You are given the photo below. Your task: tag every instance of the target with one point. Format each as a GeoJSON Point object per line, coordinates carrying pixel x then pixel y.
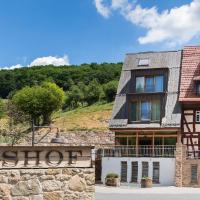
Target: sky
{"type": "Point", "coordinates": [63, 32]}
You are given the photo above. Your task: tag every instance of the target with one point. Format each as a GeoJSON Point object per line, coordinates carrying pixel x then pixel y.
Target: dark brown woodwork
{"type": "Point", "coordinates": [191, 132]}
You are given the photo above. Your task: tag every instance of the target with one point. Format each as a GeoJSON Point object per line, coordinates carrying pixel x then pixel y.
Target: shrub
{"type": "Point", "coordinates": [112, 175]}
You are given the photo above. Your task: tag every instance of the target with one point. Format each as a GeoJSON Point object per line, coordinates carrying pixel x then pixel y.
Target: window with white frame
{"type": "Point", "coordinates": [197, 116]}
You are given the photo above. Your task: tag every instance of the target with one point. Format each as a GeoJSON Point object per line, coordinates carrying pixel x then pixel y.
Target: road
{"type": "Point", "coordinates": [160, 193]}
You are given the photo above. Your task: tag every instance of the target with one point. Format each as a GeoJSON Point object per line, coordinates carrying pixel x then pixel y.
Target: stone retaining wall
{"type": "Point", "coordinates": [76, 138]}
{"type": "Point", "coordinates": [47, 184]}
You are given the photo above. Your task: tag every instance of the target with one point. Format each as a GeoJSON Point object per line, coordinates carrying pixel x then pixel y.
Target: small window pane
{"type": "Point", "coordinates": [149, 87]}
{"type": "Point", "coordinates": [123, 171]}
{"type": "Point", "coordinates": [159, 83]}
{"type": "Point", "coordinates": [170, 141]}
{"type": "Point", "coordinates": [139, 84]}
{"type": "Point", "coordinates": [145, 111]}
{"type": "Point", "coordinates": [134, 172]}
{"type": "Point", "coordinates": [145, 169]}
{"type": "Point", "coordinates": [197, 116]}
{"type": "Point", "coordinates": [143, 62]}
{"type": "Point", "coordinates": [155, 108]}
{"type": "Point", "coordinates": [194, 174]}
{"type": "Point", "coordinates": [135, 111]}
{"type": "Point", "coordinates": [156, 172]}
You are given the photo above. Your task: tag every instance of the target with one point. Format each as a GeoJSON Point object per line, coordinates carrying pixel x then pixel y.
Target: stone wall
{"type": "Point", "coordinates": [183, 168]}
{"type": "Point", "coordinates": [77, 138]}
{"type": "Point", "coordinates": [47, 184]}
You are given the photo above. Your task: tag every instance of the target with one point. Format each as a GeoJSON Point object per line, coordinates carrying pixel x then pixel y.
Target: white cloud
{"type": "Point", "coordinates": [12, 67]}
{"type": "Point", "coordinates": [42, 61]}
{"type": "Point", "coordinates": [176, 26]}
{"type": "Point", "coordinates": [101, 8]}
{"type": "Point", "coordinates": [50, 60]}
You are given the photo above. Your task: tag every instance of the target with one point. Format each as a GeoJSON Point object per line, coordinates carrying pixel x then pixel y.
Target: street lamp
{"type": "Point", "coordinates": [58, 139]}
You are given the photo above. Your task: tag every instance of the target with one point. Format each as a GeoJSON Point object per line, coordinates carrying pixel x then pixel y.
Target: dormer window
{"type": "Point", "coordinates": [143, 62]}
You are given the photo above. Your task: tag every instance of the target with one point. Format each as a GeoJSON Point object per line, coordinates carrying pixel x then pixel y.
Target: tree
{"type": "Point", "coordinates": [110, 90]}
{"type": "Point", "coordinates": [39, 101]}
{"type": "Point", "coordinates": [94, 92]}
{"type": "Point", "coordinates": [74, 98]}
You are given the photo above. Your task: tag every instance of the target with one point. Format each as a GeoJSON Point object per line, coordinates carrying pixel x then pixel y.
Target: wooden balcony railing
{"type": "Point", "coordinates": [141, 151]}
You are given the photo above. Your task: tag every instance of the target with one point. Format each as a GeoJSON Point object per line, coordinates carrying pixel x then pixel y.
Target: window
{"type": "Point", "coordinates": [145, 111]}
{"type": "Point", "coordinates": [149, 84]}
{"type": "Point", "coordinates": [134, 176]}
{"type": "Point", "coordinates": [197, 116]}
{"type": "Point", "coordinates": [194, 174]}
{"type": "Point", "coordinates": [145, 169]}
{"type": "Point", "coordinates": [143, 62]}
{"type": "Point", "coordinates": [123, 171]}
{"type": "Point", "coordinates": [198, 88]}
{"type": "Point", "coordinates": [156, 172]}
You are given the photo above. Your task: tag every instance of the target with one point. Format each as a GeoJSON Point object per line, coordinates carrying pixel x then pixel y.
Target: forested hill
{"type": "Point", "coordinates": [64, 76]}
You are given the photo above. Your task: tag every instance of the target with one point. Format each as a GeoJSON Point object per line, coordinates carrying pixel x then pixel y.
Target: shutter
{"type": "Point", "coordinates": [134, 172]}
{"type": "Point", "coordinates": [145, 169]}
{"type": "Point", "coordinates": [156, 172]}
{"type": "Point", "coordinates": [193, 173]}
{"type": "Point", "coordinates": [123, 171]}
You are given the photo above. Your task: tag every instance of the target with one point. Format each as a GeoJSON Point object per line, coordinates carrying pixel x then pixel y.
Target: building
{"type": "Point", "coordinates": [190, 98]}
{"type": "Point", "coordinates": [156, 119]}
{"type": "Point", "coordinates": [146, 119]}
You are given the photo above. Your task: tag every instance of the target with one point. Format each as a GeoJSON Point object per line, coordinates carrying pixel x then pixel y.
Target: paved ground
{"type": "Point", "coordinates": [156, 193]}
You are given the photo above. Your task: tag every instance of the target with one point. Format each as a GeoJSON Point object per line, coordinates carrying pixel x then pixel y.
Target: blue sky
{"type": "Point", "coordinates": [76, 31]}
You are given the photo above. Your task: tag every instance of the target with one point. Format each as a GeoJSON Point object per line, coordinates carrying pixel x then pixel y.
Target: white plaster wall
{"type": "Point", "coordinates": [167, 168]}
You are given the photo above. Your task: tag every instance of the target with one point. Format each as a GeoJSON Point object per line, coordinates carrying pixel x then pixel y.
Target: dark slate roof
{"type": "Point", "coordinates": [170, 60]}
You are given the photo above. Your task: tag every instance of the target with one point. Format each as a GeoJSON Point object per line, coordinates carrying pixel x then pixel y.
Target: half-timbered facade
{"type": "Point", "coordinates": [190, 97]}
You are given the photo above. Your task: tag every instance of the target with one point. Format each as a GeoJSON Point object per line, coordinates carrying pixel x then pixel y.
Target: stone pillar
{"type": "Point", "coordinates": [180, 156]}
{"type": "Point", "coordinates": [179, 165]}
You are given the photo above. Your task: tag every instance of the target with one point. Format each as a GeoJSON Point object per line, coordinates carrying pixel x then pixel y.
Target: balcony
{"type": "Point", "coordinates": [167, 151]}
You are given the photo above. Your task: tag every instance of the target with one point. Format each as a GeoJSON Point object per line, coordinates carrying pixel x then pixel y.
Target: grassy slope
{"type": "Point", "coordinates": [95, 117]}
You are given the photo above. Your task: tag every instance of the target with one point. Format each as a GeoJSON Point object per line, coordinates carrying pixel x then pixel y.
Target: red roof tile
{"type": "Point", "coordinates": [190, 69]}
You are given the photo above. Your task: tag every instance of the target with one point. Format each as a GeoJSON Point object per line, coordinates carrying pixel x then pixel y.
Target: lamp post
{"type": "Point", "coordinates": [58, 139]}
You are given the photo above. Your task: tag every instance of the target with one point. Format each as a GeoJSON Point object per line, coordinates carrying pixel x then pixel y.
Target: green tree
{"type": "Point", "coordinates": [39, 101]}
{"type": "Point", "coordinates": [110, 90]}
{"type": "Point", "coordinates": [74, 98]}
{"type": "Point", "coordinates": [94, 92]}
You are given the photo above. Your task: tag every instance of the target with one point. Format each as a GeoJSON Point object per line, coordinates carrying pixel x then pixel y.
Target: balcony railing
{"type": "Point", "coordinates": [140, 151]}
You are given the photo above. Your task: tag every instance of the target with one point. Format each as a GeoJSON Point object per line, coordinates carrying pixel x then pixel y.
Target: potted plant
{"type": "Point", "coordinates": [146, 182]}
{"type": "Point", "coordinates": [112, 179]}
